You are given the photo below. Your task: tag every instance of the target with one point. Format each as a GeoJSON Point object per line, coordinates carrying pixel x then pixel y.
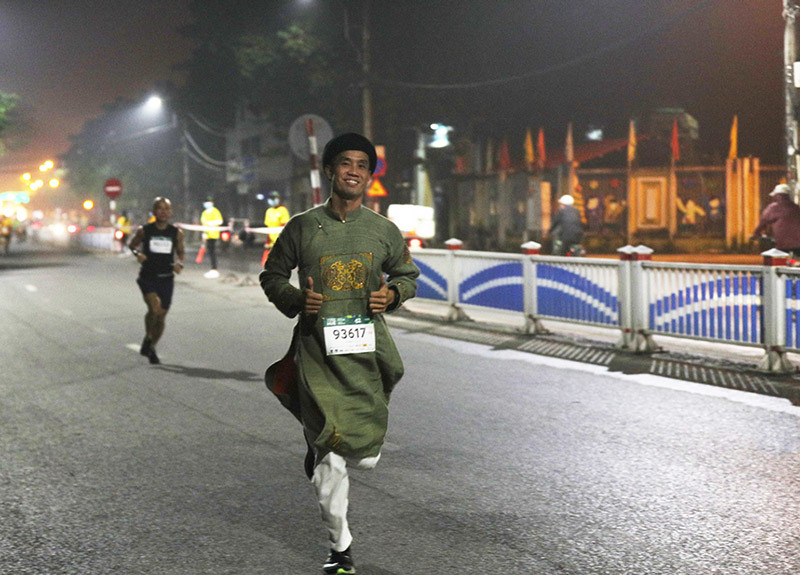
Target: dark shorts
{"type": "Point", "coordinates": [162, 287]}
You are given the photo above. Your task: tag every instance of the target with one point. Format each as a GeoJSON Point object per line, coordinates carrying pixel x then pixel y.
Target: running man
{"type": "Point", "coordinates": [161, 257]}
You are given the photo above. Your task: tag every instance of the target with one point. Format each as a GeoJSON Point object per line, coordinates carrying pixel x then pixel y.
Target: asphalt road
{"type": "Point", "coordinates": [497, 461]}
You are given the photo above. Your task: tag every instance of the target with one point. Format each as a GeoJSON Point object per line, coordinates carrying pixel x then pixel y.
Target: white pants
{"type": "Point", "coordinates": [332, 486]}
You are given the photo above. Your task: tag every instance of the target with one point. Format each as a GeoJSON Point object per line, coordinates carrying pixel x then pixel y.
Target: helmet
{"type": "Point", "coordinates": [566, 200]}
{"type": "Point", "coordinates": [780, 189]}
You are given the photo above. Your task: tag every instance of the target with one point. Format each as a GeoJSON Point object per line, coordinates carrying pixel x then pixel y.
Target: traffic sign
{"type": "Point", "coordinates": [113, 188]}
{"type": "Point", "coordinates": [376, 190]}
{"type": "Point", "coordinates": [380, 168]}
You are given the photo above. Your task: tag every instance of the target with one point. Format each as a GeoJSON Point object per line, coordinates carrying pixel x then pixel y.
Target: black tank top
{"type": "Point", "coordinates": [159, 247]}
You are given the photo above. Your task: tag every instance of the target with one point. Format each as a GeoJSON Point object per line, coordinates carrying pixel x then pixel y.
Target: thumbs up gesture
{"type": "Point", "coordinates": [312, 301]}
{"type": "Point", "coordinates": [381, 299]}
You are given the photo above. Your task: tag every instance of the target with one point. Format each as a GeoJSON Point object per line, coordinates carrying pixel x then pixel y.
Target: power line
{"type": "Point", "coordinates": [555, 67]}
{"type": "Point", "coordinates": [206, 126]}
{"type": "Point", "coordinates": [200, 152]}
{"type": "Point", "coordinates": [201, 162]}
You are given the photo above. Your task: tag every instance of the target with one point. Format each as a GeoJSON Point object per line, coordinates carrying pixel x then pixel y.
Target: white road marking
{"type": "Point", "coordinates": [31, 288]}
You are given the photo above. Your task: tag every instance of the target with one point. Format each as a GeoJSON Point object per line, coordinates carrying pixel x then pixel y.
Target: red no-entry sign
{"type": "Point", "coordinates": [112, 188]}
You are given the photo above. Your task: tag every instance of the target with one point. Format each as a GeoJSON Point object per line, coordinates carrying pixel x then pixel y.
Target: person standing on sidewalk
{"type": "Point", "coordinates": [342, 364]}
{"type": "Point", "coordinates": [161, 257]}
{"type": "Point", "coordinates": [782, 218]}
{"type": "Point", "coordinates": [211, 217]}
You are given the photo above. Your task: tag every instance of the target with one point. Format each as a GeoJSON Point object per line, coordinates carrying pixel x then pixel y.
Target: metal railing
{"type": "Point", "coordinates": [757, 306]}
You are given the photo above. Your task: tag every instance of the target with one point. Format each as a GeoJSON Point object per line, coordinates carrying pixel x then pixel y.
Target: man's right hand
{"type": "Point", "coordinates": [312, 301]}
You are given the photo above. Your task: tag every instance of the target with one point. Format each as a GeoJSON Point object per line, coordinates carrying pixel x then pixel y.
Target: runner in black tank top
{"type": "Point", "coordinates": [158, 247]}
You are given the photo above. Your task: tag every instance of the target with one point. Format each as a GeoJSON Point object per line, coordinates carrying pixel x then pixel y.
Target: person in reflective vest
{"type": "Point", "coordinates": [276, 216]}
{"type": "Point", "coordinates": [211, 216]}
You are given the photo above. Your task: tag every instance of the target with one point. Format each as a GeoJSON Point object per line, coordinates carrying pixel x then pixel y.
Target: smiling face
{"type": "Point", "coordinates": [349, 174]}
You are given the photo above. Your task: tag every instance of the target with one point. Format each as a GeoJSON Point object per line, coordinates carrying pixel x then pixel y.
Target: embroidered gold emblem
{"type": "Point", "coordinates": [345, 276]}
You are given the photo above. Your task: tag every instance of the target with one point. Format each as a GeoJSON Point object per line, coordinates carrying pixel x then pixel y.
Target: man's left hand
{"type": "Point", "coordinates": [380, 300]}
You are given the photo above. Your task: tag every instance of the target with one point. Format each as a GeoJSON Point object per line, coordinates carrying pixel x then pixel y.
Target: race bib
{"type": "Point", "coordinates": [160, 245]}
{"type": "Point", "coordinates": [348, 334]}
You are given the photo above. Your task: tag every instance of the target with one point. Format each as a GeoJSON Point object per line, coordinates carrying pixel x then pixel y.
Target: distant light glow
{"type": "Point", "coordinates": [153, 104]}
{"type": "Point", "coordinates": [595, 135]}
{"type": "Point", "coordinates": [441, 138]}
{"type": "Point", "coordinates": [88, 205]}
{"type": "Point", "coordinates": [54, 183]}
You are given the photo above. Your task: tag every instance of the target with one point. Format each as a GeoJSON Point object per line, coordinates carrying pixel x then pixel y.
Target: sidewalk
{"type": "Point", "coordinates": [720, 364]}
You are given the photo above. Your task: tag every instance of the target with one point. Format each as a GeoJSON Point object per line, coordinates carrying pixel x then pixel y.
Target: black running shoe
{"type": "Point", "coordinates": [339, 563]}
{"type": "Point", "coordinates": [146, 345]}
{"type": "Point", "coordinates": [151, 355]}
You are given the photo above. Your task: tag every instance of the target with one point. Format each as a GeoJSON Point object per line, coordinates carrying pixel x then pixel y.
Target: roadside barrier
{"type": "Point", "coordinates": [756, 306]}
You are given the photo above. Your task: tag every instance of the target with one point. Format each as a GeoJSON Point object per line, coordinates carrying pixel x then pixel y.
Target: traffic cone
{"type": "Point", "coordinates": [200, 253]}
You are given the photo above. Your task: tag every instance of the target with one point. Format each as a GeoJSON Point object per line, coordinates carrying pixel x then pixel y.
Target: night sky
{"type": "Point", "coordinates": [65, 59]}
{"type": "Point", "coordinates": [587, 62]}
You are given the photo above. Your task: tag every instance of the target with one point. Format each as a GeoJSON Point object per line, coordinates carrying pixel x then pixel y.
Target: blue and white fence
{"type": "Point", "coordinates": [756, 306]}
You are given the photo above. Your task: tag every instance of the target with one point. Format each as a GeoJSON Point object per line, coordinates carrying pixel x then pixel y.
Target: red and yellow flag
{"type": "Point", "coordinates": [541, 153]}
{"type": "Point", "coordinates": [631, 143]}
{"type": "Point", "coordinates": [675, 145]}
{"type": "Point", "coordinates": [530, 158]}
{"type": "Point", "coordinates": [734, 151]}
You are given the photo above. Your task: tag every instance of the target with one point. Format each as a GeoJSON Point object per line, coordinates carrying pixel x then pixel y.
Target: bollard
{"type": "Point", "coordinates": [531, 248]}
{"type": "Point", "coordinates": [533, 324]}
{"type": "Point", "coordinates": [775, 257]}
{"type": "Point", "coordinates": [454, 244]}
{"type": "Point", "coordinates": [642, 253]}
{"type": "Point", "coordinates": [633, 300]}
{"type": "Point", "coordinates": [772, 297]}
{"type": "Point", "coordinates": [455, 313]}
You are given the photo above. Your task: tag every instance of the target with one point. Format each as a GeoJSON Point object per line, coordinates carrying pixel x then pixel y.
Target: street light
{"type": "Point", "coordinates": [439, 140]}
{"type": "Point", "coordinates": [154, 103]}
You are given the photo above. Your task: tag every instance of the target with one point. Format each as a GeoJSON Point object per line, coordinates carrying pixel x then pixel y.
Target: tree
{"type": "Point", "coordinates": [270, 57]}
{"type": "Point", "coordinates": [8, 103]}
{"type": "Point", "coordinates": [145, 156]}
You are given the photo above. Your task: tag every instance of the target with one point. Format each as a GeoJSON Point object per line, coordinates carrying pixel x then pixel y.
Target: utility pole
{"type": "Point", "coordinates": [366, 90]}
{"type": "Point", "coordinates": [187, 208]}
{"type": "Point", "coordinates": [791, 84]}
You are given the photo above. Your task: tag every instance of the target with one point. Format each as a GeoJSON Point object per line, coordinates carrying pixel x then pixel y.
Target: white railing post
{"type": "Point", "coordinates": [624, 297]}
{"type": "Point", "coordinates": [773, 303]}
{"type": "Point", "coordinates": [530, 305]}
{"type": "Point", "coordinates": [453, 274]}
{"type": "Point", "coordinates": [641, 341]}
